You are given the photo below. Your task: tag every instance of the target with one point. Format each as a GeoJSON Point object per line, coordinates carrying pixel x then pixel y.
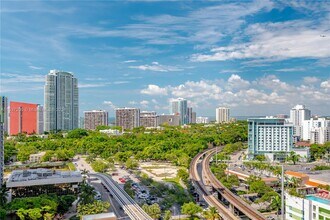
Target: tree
{"type": "Point", "coordinates": [34, 214]}
{"type": "Point", "coordinates": [3, 195]}
{"type": "Point", "coordinates": [131, 163]}
{"type": "Point", "coordinates": [77, 133]}
{"type": "Point", "coordinates": [293, 157]}
{"type": "Point", "coordinates": [211, 214]}
{"type": "Point", "coordinates": [87, 194]}
{"type": "Point", "coordinates": [276, 203]}
{"type": "Point", "coordinates": [64, 203]}
{"type": "Point", "coordinates": [99, 166]}
{"type": "Point", "coordinates": [260, 158]}
{"type": "Point", "coordinates": [183, 175]}
{"type": "Point", "coordinates": [21, 213]}
{"type": "Point", "coordinates": [152, 210]}
{"type": "Point", "coordinates": [191, 209]}
{"type": "Point", "coordinates": [167, 215]}
{"type": "Point", "coordinates": [102, 127]}
{"type": "Point", "coordinates": [92, 208]}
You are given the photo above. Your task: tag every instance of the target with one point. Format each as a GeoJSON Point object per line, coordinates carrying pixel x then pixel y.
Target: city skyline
{"type": "Point", "coordinates": [256, 57]}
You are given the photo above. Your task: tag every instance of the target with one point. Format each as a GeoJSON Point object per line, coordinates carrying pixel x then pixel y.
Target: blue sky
{"type": "Point", "coordinates": [256, 57]}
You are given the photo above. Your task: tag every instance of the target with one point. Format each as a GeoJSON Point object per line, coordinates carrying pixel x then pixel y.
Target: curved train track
{"type": "Point", "coordinates": [209, 177]}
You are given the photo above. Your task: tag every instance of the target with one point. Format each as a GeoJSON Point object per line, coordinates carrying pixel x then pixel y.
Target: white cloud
{"type": "Point", "coordinates": [93, 85]}
{"type": "Point", "coordinates": [236, 82]}
{"type": "Point", "coordinates": [94, 79]}
{"type": "Point", "coordinates": [18, 78]}
{"type": "Point", "coordinates": [200, 26]}
{"type": "Point", "coordinates": [279, 41]}
{"type": "Point", "coordinates": [266, 91]}
{"type": "Point", "coordinates": [144, 103]}
{"type": "Point", "coordinates": [155, 66]}
{"type": "Point", "coordinates": [109, 103]}
{"type": "Point", "coordinates": [154, 90]}
{"type": "Point", "coordinates": [291, 69]}
{"type": "Point", "coordinates": [35, 67]}
{"type": "Point", "coordinates": [325, 85]}
{"type": "Point", "coordinates": [230, 71]}
{"type": "Point", "coordinates": [132, 102]}
{"type": "Point", "coordinates": [311, 79]}
{"type": "Point", "coordinates": [130, 61]}
{"type": "Point", "coordinates": [120, 82]}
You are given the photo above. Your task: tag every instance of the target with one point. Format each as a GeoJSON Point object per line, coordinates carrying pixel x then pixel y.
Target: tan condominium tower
{"type": "Point", "coordinates": [128, 118]}
{"type": "Point", "coordinates": [222, 114]}
{"type": "Point", "coordinates": [148, 119]}
{"type": "Point", "coordinates": [95, 118]}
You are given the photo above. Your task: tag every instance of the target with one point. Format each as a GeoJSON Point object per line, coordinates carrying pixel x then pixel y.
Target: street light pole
{"type": "Point", "coordinates": [282, 193]}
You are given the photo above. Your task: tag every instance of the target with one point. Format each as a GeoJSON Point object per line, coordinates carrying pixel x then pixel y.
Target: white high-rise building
{"type": "Point", "coordinates": [270, 137]}
{"type": "Point", "coordinates": [222, 114]}
{"type": "Point", "coordinates": [298, 115]}
{"type": "Point", "coordinates": [94, 118]}
{"type": "Point", "coordinates": [128, 118]}
{"type": "Point", "coordinates": [61, 108]}
{"type": "Point", "coordinates": [202, 120]}
{"type": "Point", "coordinates": [180, 107]}
{"type": "Point", "coordinates": [320, 135]}
{"type": "Point", "coordinates": [315, 130]}
{"type": "Point", "coordinates": [2, 156]}
{"type": "Point", "coordinates": [310, 207]}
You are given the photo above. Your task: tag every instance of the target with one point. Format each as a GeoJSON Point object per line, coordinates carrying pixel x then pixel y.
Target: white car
{"type": "Point", "coordinates": [97, 196]}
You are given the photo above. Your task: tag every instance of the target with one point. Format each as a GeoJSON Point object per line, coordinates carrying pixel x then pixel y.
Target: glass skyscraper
{"type": "Point", "coordinates": [61, 110]}
{"type": "Point", "coordinates": [179, 107]}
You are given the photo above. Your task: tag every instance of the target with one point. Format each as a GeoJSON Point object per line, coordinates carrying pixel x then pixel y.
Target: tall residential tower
{"type": "Point", "coordinates": [95, 118]}
{"type": "Point", "coordinates": [222, 114]}
{"type": "Point", "coordinates": [128, 118]}
{"type": "Point", "coordinates": [61, 101]}
{"type": "Point", "coordinates": [298, 114]}
{"type": "Point", "coordinates": [179, 107]}
{"type": "Point", "coordinates": [4, 112]}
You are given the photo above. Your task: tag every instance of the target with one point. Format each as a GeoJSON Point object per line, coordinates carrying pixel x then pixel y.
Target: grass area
{"type": "Point", "coordinates": [71, 166]}
{"type": "Point", "coordinates": [175, 180]}
{"type": "Point", "coordinates": [321, 167]}
{"type": "Point", "coordinates": [152, 167]}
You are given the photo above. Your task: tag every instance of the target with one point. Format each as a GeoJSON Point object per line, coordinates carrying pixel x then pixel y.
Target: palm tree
{"type": "Point", "coordinates": [276, 204]}
{"type": "Point", "coordinates": [211, 214]}
{"type": "Point", "coordinates": [3, 195]}
{"type": "Point", "coordinates": [293, 157]}
{"type": "Point", "coordinates": [295, 182]}
{"type": "Point", "coordinates": [87, 193]}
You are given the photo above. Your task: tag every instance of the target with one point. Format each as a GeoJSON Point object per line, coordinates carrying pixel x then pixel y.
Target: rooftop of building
{"type": "Point", "coordinates": [32, 177]}
{"type": "Point", "coordinates": [127, 108]}
{"type": "Point", "coordinates": [325, 199]}
{"type": "Point", "coordinates": [302, 144]}
{"type": "Point", "coordinates": [320, 176]}
{"type": "Point", "coordinates": [39, 154]}
{"type": "Point", "coordinates": [96, 111]}
{"type": "Point", "coordinates": [103, 216]}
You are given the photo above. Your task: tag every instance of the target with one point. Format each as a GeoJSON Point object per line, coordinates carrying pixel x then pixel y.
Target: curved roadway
{"type": "Point", "coordinates": [131, 208]}
{"type": "Point", "coordinates": [210, 199]}
{"type": "Point", "coordinates": [236, 201]}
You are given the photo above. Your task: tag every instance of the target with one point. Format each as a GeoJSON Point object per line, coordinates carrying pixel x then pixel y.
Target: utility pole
{"type": "Point", "coordinates": [282, 193]}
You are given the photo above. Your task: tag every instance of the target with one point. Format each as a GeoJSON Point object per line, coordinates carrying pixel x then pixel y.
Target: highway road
{"type": "Point", "coordinates": [226, 193]}
{"type": "Point", "coordinates": [131, 208]}
{"type": "Point", "coordinates": [208, 197]}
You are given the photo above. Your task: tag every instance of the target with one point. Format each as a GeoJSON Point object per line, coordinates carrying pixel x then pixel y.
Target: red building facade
{"type": "Point", "coordinates": [25, 118]}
